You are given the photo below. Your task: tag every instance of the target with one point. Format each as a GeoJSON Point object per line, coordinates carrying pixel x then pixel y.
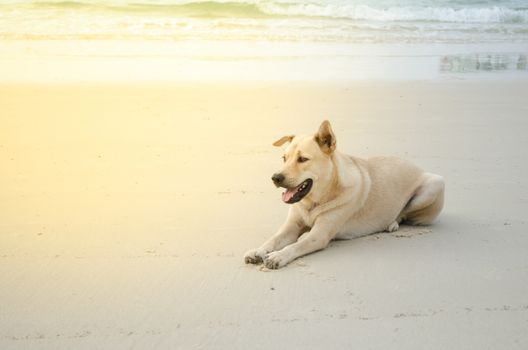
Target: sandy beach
{"type": "Point", "coordinates": [125, 211]}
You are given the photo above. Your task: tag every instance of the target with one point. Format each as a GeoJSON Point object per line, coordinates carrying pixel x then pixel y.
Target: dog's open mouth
{"type": "Point", "coordinates": [295, 194]}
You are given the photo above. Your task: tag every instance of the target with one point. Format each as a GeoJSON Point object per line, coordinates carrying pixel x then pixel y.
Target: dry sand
{"type": "Point", "coordinates": [125, 212]}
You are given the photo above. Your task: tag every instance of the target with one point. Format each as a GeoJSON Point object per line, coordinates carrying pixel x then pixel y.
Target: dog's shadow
{"type": "Point", "coordinates": [405, 231]}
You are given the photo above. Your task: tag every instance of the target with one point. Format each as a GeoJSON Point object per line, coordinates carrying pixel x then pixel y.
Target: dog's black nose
{"type": "Point", "coordinates": [277, 178]}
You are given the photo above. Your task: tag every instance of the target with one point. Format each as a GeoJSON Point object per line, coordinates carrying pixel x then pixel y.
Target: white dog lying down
{"type": "Point", "coordinates": [334, 195]}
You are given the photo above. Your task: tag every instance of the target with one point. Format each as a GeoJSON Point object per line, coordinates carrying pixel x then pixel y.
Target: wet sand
{"type": "Point", "coordinates": [125, 211]}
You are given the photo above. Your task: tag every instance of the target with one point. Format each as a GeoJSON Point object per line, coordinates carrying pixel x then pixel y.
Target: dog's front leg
{"type": "Point", "coordinates": [323, 231]}
{"type": "Point", "coordinates": [287, 234]}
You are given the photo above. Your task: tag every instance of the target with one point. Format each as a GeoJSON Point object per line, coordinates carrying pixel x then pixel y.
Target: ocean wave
{"type": "Point", "coordinates": [493, 14]}
{"type": "Point", "coordinates": [333, 21]}
{"type": "Point", "coordinates": [197, 9]}
{"type": "Point", "coordinates": [329, 10]}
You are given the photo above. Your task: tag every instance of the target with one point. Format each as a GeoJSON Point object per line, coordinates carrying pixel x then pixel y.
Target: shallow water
{"type": "Point", "coordinates": [357, 21]}
{"type": "Point", "coordinates": [260, 40]}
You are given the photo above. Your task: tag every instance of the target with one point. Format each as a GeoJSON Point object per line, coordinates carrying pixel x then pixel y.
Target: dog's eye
{"type": "Point", "coordinates": [302, 159]}
{"type": "Point", "coordinates": [284, 158]}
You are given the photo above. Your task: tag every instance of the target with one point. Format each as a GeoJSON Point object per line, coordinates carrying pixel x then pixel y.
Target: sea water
{"type": "Point", "coordinates": [221, 39]}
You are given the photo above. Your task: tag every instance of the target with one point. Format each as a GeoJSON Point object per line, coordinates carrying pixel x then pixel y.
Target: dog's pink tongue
{"type": "Point", "coordinates": [286, 196]}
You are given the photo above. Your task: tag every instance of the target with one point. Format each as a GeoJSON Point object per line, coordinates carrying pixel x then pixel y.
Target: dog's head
{"type": "Point", "coordinates": [308, 165]}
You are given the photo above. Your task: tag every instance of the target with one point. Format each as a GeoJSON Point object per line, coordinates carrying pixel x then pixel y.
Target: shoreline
{"type": "Point", "coordinates": [77, 61]}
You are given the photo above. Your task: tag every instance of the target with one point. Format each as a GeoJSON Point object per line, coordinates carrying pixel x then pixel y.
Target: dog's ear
{"type": "Point", "coordinates": [325, 137]}
{"type": "Point", "coordinates": [283, 140]}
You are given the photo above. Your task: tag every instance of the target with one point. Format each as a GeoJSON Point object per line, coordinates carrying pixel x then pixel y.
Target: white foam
{"type": "Point", "coordinates": [367, 21]}
{"type": "Point", "coordinates": [493, 14]}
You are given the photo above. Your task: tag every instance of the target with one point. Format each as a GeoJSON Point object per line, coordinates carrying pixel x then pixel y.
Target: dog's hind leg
{"type": "Point", "coordinates": [427, 201]}
{"type": "Point", "coordinates": [394, 226]}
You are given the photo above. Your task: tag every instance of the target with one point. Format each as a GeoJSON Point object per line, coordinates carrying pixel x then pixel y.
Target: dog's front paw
{"type": "Point", "coordinates": [276, 260]}
{"type": "Point", "coordinates": [254, 256]}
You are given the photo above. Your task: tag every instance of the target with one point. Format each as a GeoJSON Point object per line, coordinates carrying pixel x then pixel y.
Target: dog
{"type": "Point", "coordinates": [337, 196]}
